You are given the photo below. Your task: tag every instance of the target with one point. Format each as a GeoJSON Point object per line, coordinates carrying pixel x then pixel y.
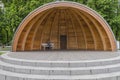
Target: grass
{"type": "Point", "coordinates": [5, 48]}
{"type": "Point", "coordinates": [2, 50]}
{"type": "Point", "coordinates": [2, 53]}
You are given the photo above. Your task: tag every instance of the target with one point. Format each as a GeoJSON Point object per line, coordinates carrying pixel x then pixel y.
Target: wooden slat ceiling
{"type": "Point", "coordinates": [83, 31]}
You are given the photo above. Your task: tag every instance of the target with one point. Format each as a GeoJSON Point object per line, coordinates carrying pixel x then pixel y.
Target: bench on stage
{"type": "Point", "coordinates": [47, 46]}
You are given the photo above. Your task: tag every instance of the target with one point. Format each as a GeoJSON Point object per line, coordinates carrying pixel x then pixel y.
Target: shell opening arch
{"type": "Point", "coordinates": [67, 25]}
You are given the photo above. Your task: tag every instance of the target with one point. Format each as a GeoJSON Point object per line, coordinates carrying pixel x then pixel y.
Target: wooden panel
{"type": "Point", "coordinates": [97, 33]}
{"type": "Point", "coordinates": [82, 31]}
{"type": "Point", "coordinates": [38, 32]}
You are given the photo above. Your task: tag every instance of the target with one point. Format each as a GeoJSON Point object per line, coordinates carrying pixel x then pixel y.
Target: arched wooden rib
{"type": "Point", "coordinates": [73, 26]}
{"type": "Point", "coordinates": [39, 29]}
{"type": "Point", "coordinates": [106, 39]}
{"type": "Point", "coordinates": [53, 25]}
{"type": "Point", "coordinates": [66, 18]}
{"type": "Point", "coordinates": [27, 42]}
{"type": "Point", "coordinates": [58, 29]}
{"type": "Point", "coordinates": [70, 27]}
{"type": "Point", "coordinates": [49, 28]}
{"type": "Point", "coordinates": [27, 29]}
{"type": "Point", "coordinates": [45, 27]}
{"type": "Point", "coordinates": [93, 42]}
{"type": "Point", "coordinates": [80, 28]}
{"type": "Point", "coordinates": [66, 25]}
{"type": "Point", "coordinates": [54, 30]}
{"type": "Point", "coordinates": [107, 32]}
{"type": "Point", "coordinates": [24, 36]}
{"type": "Point", "coordinates": [97, 27]}
{"type": "Point", "coordinates": [32, 30]}
{"type": "Point", "coordinates": [96, 38]}
{"type": "Point", "coordinates": [21, 38]}
{"type": "Point", "coordinates": [103, 34]}
{"type": "Point", "coordinates": [91, 32]}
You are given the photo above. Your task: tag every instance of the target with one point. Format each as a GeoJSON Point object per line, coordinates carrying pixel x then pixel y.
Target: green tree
{"type": "Point", "coordinates": [108, 9]}
{"type": "Point", "coordinates": [16, 10]}
{"type": "Point", "coordinates": [116, 23]}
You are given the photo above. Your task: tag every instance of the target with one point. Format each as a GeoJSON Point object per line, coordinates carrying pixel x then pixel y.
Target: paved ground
{"type": "Point", "coordinates": [64, 55]}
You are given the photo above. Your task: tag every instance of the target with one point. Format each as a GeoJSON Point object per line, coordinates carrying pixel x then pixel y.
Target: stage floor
{"type": "Point", "coordinates": [63, 55]}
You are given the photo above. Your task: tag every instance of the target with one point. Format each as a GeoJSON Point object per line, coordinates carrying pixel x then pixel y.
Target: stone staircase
{"type": "Point", "coordinates": [20, 69]}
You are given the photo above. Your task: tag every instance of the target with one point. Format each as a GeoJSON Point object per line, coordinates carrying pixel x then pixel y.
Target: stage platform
{"type": "Point", "coordinates": [60, 65]}
{"type": "Point", "coordinates": [64, 55]}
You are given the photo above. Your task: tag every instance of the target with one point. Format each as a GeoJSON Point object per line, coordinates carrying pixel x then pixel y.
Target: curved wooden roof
{"type": "Point", "coordinates": [84, 28]}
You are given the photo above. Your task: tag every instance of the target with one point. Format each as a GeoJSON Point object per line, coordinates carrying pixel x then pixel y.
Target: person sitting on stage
{"type": "Point", "coordinates": [49, 45]}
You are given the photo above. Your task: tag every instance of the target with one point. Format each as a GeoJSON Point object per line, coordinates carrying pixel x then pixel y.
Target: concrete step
{"type": "Point", "coordinates": [20, 69]}
{"type": "Point", "coordinates": [39, 63]}
{"type": "Point", "coordinates": [6, 75]}
{"type": "Point", "coordinates": [59, 70]}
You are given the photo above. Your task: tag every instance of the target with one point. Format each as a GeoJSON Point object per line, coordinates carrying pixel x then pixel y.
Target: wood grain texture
{"type": "Point", "coordinates": [83, 28]}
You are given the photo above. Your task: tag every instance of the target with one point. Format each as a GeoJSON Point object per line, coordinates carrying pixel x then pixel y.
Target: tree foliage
{"type": "Point", "coordinates": [16, 10]}
{"type": "Point", "coordinates": [109, 9]}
